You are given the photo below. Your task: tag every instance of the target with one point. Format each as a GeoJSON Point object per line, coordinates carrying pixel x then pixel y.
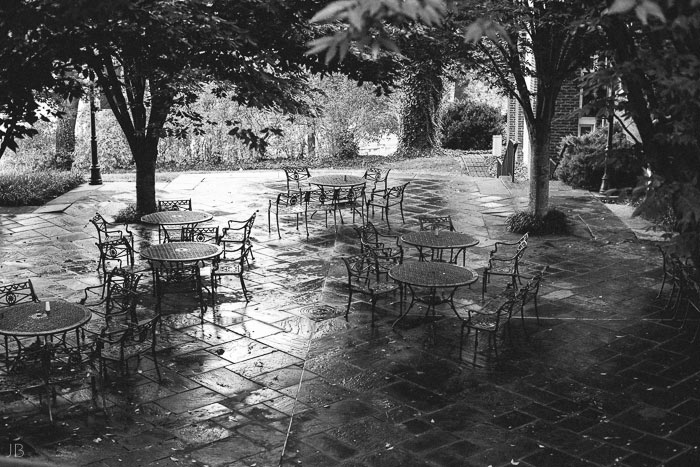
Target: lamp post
{"type": "Point", "coordinates": [608, 150]}
{"type": "Point", "coordinates": [95, 175]}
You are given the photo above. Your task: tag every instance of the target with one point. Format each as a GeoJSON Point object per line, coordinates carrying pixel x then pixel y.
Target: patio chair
{"type": "Point", "coordinates": [200, 234]}
{"type": "Point", "coordinates": [229, 263]}
{"type": "Point", "coordinates": [168, 234]}
{"type": "Point", "coordinates": [377, 178]}
{"type": "Point", "coordinates": [386, 199]}
{"type": "Point", "coordinates": [122, 344]}
{"type": "Point", "coordinates": [175, 205]}
{"type": "Point", "coordinates": [348, 198]}
{"type": "Point", "coordinates": [315, 201]}
{"type": "Point", "coordinates": [673, 267]}
{"type": "Point", "coordinates": [504, 260]}
{"type": "Point", "coordinates": [296, 178]}
{"type": "Point", "coordinates": [119, 295]}
{"type": "Point", "coordinates": [240, 231]}
{"type": "Point", "coordinates": [528, 293]}
{"type": "Point", "coordinates": [368, 234]}
{"type": "Point", "coordinates": [114, 245]}
{"type": "Point", "coordinates": [19, 292]}
{"type": "Point", "coordinates": [690, 300]}
{"type": "Point", "coordinates": [177, 277]}
{"type": "Point", "coordinates": [360, 280]}
{"type": "Point", "coordinates": [436, 223]}
{"type": "Point", "coordinates": [287, 204]}
{"type": "Point", "coordinates": [490, 318]}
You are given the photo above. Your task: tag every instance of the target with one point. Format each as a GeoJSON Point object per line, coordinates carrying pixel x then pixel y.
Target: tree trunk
{"type": "Point", "coordinates": [65, 134]}
{"type": "Point", "coordinates": [145, 159]}
{"type": "Point", "coordinates": [422, 96]}
{"type": "Point", "coordinates": [539, 168]}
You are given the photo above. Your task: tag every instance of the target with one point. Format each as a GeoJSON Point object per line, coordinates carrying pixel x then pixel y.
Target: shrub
{"type": "Point", "coordinates": [35, 188]}
{"type": "Point", "coordinates": [128, 215]}
{"type": "Point", "coordinates": [552, 222]}
{"type": "Point", "coordinates": [583, 163]}
{"type": "Point", "coordinates": [470, 125]}
{"type": "Point", "coordinates": [345, 146]}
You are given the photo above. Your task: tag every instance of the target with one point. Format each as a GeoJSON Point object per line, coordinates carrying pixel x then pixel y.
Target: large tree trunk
{"type": "Point", "coordinates": [419, 117]}
{"type": "Point", "coordinates": [145, 157]}
{"type": "Point", "coordinates": [65, 134]}
{"type": "Point", "coordinates": [539, 168]}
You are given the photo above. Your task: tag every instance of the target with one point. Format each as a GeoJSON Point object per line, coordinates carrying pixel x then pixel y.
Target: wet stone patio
{"type": "Point", "coordinates": [605, 378]}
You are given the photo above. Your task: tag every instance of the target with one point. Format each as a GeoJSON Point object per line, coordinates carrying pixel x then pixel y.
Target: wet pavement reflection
{"type": "Point", "coordinates": [605, 378]}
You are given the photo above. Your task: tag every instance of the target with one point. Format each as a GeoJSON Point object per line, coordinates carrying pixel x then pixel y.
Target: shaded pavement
{"type": "Point", "coordinates": [604, 378]}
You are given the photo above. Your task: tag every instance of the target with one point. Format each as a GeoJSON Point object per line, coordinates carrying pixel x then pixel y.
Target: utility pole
{"type": "Point", "coordinates": [95, 175]}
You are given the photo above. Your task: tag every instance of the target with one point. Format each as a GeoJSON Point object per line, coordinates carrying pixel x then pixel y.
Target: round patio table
{"type": "Point", "coordinates": [438, 241]}
{"type": "Point", "coordinates": [432, 276]}
{"type": "Point", "coordinates": [337, 180]}
{"type": "Point", "coordinates": [30, 319]}
{"type": "Point", "coordinates": [175, 218]}
{"type": "Point", "coordinates": [181, 251]}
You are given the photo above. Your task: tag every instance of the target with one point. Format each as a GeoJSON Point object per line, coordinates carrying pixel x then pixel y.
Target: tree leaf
{"type": "Point", "coordinates": [620, 6]}
{"type": "Point", "coordinates": [332, 11]}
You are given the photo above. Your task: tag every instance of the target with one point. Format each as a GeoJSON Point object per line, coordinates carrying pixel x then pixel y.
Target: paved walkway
{"type": "Point", "coordinates": [602, 380]}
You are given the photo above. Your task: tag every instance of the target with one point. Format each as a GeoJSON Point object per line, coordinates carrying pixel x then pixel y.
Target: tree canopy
{"type": "Point", "coordinates": [152, 59]}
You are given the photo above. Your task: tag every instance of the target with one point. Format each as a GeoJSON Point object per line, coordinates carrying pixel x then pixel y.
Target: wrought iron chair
{"type": "Point", "coordinates": [287, 204]}
{"type": "Point", "coordinates": [119, 294]}
{"type": "Point", "coordinates": [177, 277]}
{"type": "Point", "coordinates": [240, 232]}
{"type": "Point", "coordinates": [296, 178]}
{"type": "Point", "coordinates": [436, 223]}
{"type": "Point", "coordinates": [528, 293]}
{"type": "Point", "coordinates": [229, 263]}
{"type": "Point", "coordinates": [168, 234]}
{"type": "Point", "coordinates": [490, 318]}
{"type": "Point", "coordinates": [377, 178]}
{"type": "Point", "coordinates": [20, 292]}
{"type": "Point", "coordinates": [361, 280]}
{"type": "Point", "coordinates": [691, 299]}
{"type": "Point", "coordinates": [349, 198]}
{"type": "Point", "coordinates": [114, 245]}
{"type": "Point", "coordinates": [201, 234]}
{"type": "Point", "coordinates": [386, 199]}
{"type": "Point", "coordinates": [315, 201]}
{"type": "Point", "coordinates": [504, 260]}
{"type": "Point", "coordinates": [673, 267]}
{"type": "Point", "coordinates": [175, 205]}
{"type": "Point", "coordinates": [125, 343]}
{"type": "Point", "coordinates": [368, 234]}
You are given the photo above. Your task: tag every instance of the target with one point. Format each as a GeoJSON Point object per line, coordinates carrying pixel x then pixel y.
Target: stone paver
{"type": "Point", "coordinates": [604, 379]}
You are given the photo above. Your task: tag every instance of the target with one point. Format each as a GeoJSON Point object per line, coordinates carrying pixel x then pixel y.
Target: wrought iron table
{"type": "Point", "coordinates": [181, 251]}
{"type": "Point", "coordinates": [432, 276]}
{"type": "Point", "coordinates": [184, 219]}
{"type": "Point", "coordinates": [31, 320]}
{"type": "Point", "coordinates": [438, 241]}
{"type": "Point", "coordinates": [336, 181]}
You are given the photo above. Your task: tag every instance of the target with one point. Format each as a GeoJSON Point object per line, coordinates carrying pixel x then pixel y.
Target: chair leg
{"type": "Point", "coordinates": [347, 310]}
{"type": "Point", "coordinates": [277, 219]}
{"type": "Point", "coordinates": [245, 291]}
{"type": "Point", "coordinates": [403, 220]}
{"type": "Point", "coordinates": [387, 217]}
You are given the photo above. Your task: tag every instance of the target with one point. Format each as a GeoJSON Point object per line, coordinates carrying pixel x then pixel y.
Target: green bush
{"type": "Point", "coordinates": [470, 125]}
{"type": "Point", "coordinates": [128, 215]}
{"type": "Point", "coordinates": [345, 145]}
{"type": "Point", "coordinates": [35, 188]}
{"type": "Point", "coordinates": [552, 222]}
{"type": "Point", "coordinates": [583, 163]}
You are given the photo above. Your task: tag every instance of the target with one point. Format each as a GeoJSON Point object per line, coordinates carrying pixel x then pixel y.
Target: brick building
{"type": "Point", "coordinates": [568, 120]}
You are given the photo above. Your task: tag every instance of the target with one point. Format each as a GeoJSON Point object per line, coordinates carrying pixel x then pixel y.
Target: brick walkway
{"type": "Point", "coordinates": [604, 379]}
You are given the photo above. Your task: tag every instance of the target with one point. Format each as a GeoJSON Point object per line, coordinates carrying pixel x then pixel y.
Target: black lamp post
{"type": "Point", "coordinates": [95, 175]}
{"type": "Point", "coordinates": [608, 150]}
